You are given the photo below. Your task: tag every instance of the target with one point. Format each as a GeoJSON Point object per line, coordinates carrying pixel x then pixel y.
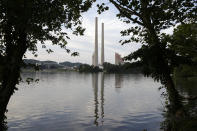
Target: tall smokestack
{"type": "Point", "coordinates": [93, 59]}
{"type": "Point", "coordinates": [96, 42]}
{"type": "Point", "coordinates": [102, 45]}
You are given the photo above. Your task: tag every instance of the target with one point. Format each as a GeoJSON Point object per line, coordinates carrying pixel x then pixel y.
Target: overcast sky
{"type": "Point", "coordinates": [85, 44]}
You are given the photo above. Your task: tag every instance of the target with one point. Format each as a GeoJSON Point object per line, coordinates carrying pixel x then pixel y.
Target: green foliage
{"type": "Point", "coordinates": [88, 68]}
{"type": "Point", "coordinates": [26, 23]}
{"type": "Point", "coordinates": [3, 123]}
{"type": "Point", "coordinates": [133, 68]}
{"type": "Point", "coordinates": [110, 68]}
{"type": "Point", "coordinates": [102, 8]}
{"type": "Point", "coordinates": [149, 18]}
{"type": "Point", "coordinates": [41, 21]}
{"type": "Point", "coordinates": [184, 40]}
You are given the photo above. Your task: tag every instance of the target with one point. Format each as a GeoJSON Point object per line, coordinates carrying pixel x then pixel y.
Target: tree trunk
{"type": "Point", "coordinates": [11, 70]}
{"type": "Point", "coordinates": [174, 97]}
{"type": "Point", "coordinates": [8, 86]}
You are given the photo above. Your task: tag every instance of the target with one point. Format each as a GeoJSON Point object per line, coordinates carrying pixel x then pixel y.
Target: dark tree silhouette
{"type": "Point", "coordinates": [149, 18]}
{"type": "Point", "coordinates": [184, 40]}
{"type": "Point", "coordinates": [24, 24]}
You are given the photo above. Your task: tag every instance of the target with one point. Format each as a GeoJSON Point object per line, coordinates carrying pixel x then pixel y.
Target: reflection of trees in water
{"type": "Point", "coordinates": [187, 86]}
{"type": "Point", "coordinates": [180, 114]}
{"type": "Point", "coordinates": [96, 103]}
{"type": "Point", "coordinates": [172, 107]}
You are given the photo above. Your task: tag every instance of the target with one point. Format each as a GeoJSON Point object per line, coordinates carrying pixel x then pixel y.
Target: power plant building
{"type": "Point", "coordinates": [118, 59]}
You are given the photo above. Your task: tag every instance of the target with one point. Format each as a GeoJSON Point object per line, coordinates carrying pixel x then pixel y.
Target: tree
{"type": "Point", "coordinates": [24, 24]}
{"type": "Point", "coordinates": [184, 40]}
{"type": "Point", "coordinates": [184, 43]}
{"type": "Point", "coordinates": [149, 18]}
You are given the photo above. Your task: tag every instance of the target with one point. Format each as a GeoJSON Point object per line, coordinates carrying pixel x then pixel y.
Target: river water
{"type": "Point", "coordinates": [71, 101]}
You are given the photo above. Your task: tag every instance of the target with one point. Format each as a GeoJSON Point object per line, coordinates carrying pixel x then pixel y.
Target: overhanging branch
{"type": "Point", "coordinates": [127, 13]}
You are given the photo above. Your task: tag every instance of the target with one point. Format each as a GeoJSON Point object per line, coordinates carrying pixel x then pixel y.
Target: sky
{"type": "Point", "coordinates": [85, 44]}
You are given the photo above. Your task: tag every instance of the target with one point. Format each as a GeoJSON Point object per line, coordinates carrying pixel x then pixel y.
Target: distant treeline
{"type": "Point", "coordinates": [111, 68]}
{"type": "Point", "coordinates": [36, 64]}
{"type": "Point", "coordinates": [134, 68]}
{"type": "Point", "coordinates": [122, 68]}
{"type": "Point", "coordinates": [88, 68]}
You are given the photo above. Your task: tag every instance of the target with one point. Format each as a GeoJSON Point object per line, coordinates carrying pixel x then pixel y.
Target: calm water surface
{"type": "Point", "coordinates": [86, 102]}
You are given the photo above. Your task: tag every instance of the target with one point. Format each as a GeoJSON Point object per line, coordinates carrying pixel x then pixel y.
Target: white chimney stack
{"type": "Point", "coordinates": [96, 43]}
{"type": "Point", "coordinates": [102, 45]}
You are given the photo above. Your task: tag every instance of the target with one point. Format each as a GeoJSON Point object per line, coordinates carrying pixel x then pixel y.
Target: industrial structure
{"type": "Point", "coordinates": [96, 43]}
{"type": "Point", "coordinates": [118, 59]}
{"type": "Point", "coordinates": [102, 45]}
{"type": "Point", "coordinates": [95, 53]}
